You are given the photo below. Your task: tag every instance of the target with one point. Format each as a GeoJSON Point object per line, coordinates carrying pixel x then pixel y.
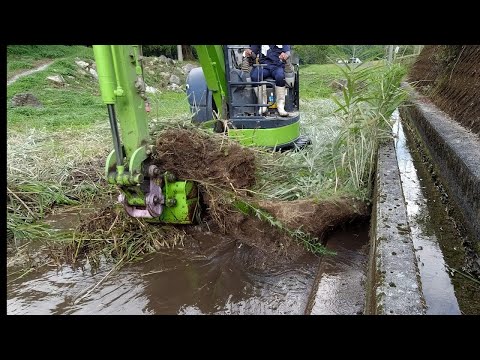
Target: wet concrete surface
{"type": "Point", "coordinates": [437, 287]}
{"type": "Point", "coordinates": [213, 279]}
{"type": "Point", "coordinates": [339, 287]}
{"type": "Point", "coordinates": [393, 279]}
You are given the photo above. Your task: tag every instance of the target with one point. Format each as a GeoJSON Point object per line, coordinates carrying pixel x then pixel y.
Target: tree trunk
{"type": "Point", "coordinates": [179, 53]}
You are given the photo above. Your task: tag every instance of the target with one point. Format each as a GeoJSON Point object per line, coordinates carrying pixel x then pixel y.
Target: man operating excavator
{"type": "Point", "coordinates": [271, 59]}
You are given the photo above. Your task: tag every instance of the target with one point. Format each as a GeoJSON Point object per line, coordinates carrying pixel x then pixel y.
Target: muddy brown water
{"type": "Point", "coordinates": [213, 277]}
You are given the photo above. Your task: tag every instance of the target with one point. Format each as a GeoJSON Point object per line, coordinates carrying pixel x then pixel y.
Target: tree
{"type": "Point", "coordinates": [179, 53]}
{"type": "Point", "coordinates": [311, 54]}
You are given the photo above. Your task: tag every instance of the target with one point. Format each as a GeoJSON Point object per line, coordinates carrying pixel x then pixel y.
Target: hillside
{"type": "Point", "coordinates": [450, 76]}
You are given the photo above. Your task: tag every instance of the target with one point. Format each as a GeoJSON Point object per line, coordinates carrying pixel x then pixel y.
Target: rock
{"type": "Point", "coordinates": [163, 59]}
{"type": "Point", "coordinates": [187, 68]}
{"type": "Point", "coordinates": [151, 90]}
{"type": "Point", "coordinates": [151, 72]}
{"type": "Point", "coordinates": [174, 79]}
{"type": "Point", "coordinates": [25, 99]}
{"type": "Point", "coordinates": [88, 67]}
{"type": "Point", "coordinates": [82, 64]}
{"type": "Point", "coordinates": [338, 84]}
{"type": "Point", "coordinates": [174, 87]}
{"type": "Point", "coordinates": [93, 73]}
{"type": "Point", "coordinates": [57, 79]}
{"type": "Point", "coordinates": [165, 74]}
{"type": "Point", "coordinates": [170, 61]}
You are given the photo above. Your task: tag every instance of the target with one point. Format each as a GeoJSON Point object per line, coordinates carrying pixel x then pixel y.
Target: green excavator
{"type": "Point", "coordinates": [219, 92]}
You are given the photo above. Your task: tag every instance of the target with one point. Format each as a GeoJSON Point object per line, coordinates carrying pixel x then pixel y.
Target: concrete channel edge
{"type": "Point", "coordinates": [455, 151]}
{"type": "Point", "coordinates": [393, 279]}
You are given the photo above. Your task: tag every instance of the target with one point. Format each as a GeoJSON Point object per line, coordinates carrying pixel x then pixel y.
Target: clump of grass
{"type": "Point", "coordinates": [46, 169]}
{"type": "Point", "coordinates": [222, 197]}
{"type": "Point", "coordinates": [110, 233]}
{"type": "Point", "coordinates": [21, 227]}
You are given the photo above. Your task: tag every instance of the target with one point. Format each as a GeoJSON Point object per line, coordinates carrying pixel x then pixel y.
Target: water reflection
{"type": "Point", "coordinates": [436, 284]}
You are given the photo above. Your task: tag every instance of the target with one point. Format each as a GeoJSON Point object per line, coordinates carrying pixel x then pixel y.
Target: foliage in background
{"type": "Point", "coordinates": [170, 51]}
{"type": "Point", "coordinates": [312, 54]}
{"type": "Point", "coordinates": [157, 50]}
{"type": "Point", "coordinates": [308, 54]}
{"type": "Point", "coordinates": [48, 51]}
{"type": "Point", "coordinates": [324, 54]}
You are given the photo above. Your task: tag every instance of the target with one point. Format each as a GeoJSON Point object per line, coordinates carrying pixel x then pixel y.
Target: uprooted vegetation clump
{"type": "Point", "coordinates": [199, 156]}
{"type": "Point", "coordinates": [225, 174]}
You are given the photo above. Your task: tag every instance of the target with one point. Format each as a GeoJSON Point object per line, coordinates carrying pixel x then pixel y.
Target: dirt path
{"type": "Point", "coordinates": [29, 72]}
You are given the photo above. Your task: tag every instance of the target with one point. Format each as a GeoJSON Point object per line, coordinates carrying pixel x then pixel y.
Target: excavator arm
{"type": "Point", "coordinates": [146, 190]}
{"type": "Point", "coordinates": [212, 61]}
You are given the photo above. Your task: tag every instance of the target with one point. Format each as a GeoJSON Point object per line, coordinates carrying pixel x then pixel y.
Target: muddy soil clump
{"type": "Point", "coordinates": [223, 168]}
{"type": "Point", "coordinates": [195, 155]}
{"type": "Point", "coordinates": [317, 218]}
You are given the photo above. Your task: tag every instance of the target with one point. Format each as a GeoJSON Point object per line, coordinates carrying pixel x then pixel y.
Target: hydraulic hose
{"type": "Point", "coordinates": [116, 137]}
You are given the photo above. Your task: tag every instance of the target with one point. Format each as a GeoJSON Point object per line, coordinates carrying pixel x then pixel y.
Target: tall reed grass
{"type": "Point", "coordinates": [345, 132]}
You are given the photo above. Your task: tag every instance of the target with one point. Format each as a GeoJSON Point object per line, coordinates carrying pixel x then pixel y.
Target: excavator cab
{"type": "Point", "coordinates": [245, 102]}
{"type": "Point", "coordinates": [240, 115]}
